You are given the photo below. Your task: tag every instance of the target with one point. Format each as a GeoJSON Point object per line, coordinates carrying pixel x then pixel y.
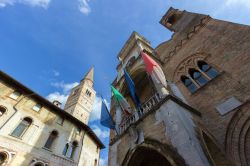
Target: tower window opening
{"type": "Point", "coordinates": [197, 76]}
{"type": "Point", "coordinates": [88, 93]}
{"type": "Point", "coordinates": [172, 19]}
{"type": "Point", "coordinates": [189, 84]}
{"type": "Point", "coordinates": [207, 69]}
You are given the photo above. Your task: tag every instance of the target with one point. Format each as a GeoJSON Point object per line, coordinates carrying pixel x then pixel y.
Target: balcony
{"type": "Point", "coordinates": [139, 114]}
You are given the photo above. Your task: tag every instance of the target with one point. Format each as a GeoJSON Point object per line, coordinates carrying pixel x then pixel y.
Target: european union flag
{"type": "Point", "coordinates": [131, 86]}
{"type": "Point", "coordinates": [106, 119]}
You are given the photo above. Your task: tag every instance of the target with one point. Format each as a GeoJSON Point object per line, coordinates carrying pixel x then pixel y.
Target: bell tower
{"type": "Point", "coordinates": [81, 98]}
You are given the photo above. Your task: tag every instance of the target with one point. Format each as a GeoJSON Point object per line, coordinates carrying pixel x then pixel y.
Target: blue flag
{"type": "Point", "coordinates": [131, 86]}
{"type": "Point", "coordinates": [106, 119]}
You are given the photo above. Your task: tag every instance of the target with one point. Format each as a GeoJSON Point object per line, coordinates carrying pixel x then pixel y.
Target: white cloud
{"type": "Point", "coordinates": [84, 6]}
{"type": "Point", "coordinates": [33, 3]}
{"type": "Point", "coordinates": [96, 111]}
{"type": "Point", "coordinates": [61, 97]}
{"type": "Point", "coordinates": [103, 161]}
{"type": "Point", "coordinates": [58, 96]}
{"type": "Point", "coordinates": [245, 3]}
{"type": "Point", "coordinates": [66, 87]}
{"type": "Point", "coordinates": [102, 134]}
{"type": "Point", "coordinates": [56, 73]}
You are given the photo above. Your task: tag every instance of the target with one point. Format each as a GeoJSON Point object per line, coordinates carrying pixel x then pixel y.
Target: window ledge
{"type": "Point", "coordinates": [20, 138]}
{"type": "Point", "coordinates": [209, 82]}
{"type": "Point", "coordinates": [47, 149]}
{"type": "Point", "coordinates": [59, 124]}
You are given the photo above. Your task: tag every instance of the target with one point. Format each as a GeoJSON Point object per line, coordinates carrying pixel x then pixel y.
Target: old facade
{"type": "Point", "coordinates": [205, 118]}
{"type": "Point", "coordinates": [36, 132]}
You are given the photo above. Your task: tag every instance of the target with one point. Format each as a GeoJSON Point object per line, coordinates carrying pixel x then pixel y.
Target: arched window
{"type": "Point", "coordinates": [3, 157]}
{"type": "Point", "coordinates": [22, 127]}
{"type": "Point", "coordinates": [74, 146]}
{"type": "Point", "coordinates": [2, 110]}
{"type": "Point", "coordinates": [197, 76]}
{"type": "Point", "coordinates": [69, 151]}
{"type": "Point", "coordinates": [66, 148]}
{"type": "Point", "coordinates": [210, 71]}
{"type": "Point", "coordinates": [53, 135]}
{"type": "Point", "coordinates": [189, 84]}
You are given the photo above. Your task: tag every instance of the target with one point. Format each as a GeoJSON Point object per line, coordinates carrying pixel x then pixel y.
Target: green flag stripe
{"type": "Point", "coordinates": [117, 94]}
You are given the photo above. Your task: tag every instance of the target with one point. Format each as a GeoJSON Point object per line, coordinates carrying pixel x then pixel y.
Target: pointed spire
{"type": "Point", "coordinates": [89, 76]}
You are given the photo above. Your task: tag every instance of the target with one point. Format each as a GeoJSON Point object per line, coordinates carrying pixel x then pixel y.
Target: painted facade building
{"type": "Point", "coordinates": [36, 132]}
{"type": "Point", "coordinates": [204, 120]}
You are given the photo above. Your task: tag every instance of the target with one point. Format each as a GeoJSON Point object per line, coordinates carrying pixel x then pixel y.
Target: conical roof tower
{"type": "Point", "coordinates": [81, 99]}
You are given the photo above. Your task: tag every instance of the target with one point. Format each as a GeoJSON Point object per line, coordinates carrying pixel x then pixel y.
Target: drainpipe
{"type": "Point", "coordinates": [15, 108]}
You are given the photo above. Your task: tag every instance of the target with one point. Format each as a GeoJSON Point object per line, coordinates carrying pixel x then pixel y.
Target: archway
{"type": "Point", "coordinates": [148, 157]}
{"type": "Point", "coordinates": [164, 152]}
{"type": "Point", "coordinates": [143, 85]}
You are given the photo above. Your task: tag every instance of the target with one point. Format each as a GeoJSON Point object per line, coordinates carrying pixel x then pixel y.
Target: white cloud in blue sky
{"type": "Point", "coordinates": [103, 161]}
{"type": "Point", "coordinates": [64, 89]}
{"type": "Point", "coordinates": [34, 3]}
{"type": "Point", "coordinates": [55, 73]}
{"type": "Point", "coordinates": [84, 6]}
{"type": "Point", "coordinates": [245, 3]}
{"type": "Point", "coordinates": [96, 111]}
{"type": "Point", "coordinates": [102, 134]}
{"type": "Point", "coordinates": [62, 98]}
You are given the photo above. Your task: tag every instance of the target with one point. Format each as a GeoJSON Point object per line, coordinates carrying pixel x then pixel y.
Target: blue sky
{"type": "Point", "coordinates": [49, 45]}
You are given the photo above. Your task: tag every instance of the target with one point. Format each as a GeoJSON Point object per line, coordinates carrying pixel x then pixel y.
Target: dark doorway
{"type": "Point", "coordinates": [148, 157]}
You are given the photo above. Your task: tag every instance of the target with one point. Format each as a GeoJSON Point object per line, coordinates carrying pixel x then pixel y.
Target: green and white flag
{"type": "Point", "coordinates": [121, 101]}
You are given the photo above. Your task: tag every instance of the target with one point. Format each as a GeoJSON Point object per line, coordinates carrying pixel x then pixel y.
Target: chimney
{"type": "Point", "coordinates": [57, 103]}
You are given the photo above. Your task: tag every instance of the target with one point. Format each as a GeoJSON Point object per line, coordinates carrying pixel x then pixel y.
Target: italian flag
{"type": "Point", "coordinates": [155, 71]}
{"type": "Point", "coordinates": [121, 101]}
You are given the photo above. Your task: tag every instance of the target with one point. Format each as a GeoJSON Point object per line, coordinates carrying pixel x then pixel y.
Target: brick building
{"type": "Point", "coordinates": [205, 118]}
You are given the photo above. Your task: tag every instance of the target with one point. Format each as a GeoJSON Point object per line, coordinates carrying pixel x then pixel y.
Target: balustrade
{"type": "Point", "coordinates": [138, 114]}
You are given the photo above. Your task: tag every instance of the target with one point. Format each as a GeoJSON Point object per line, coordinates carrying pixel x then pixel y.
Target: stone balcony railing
{"type": "Point", "coordinates": [63, 161]}
{"type": "Point", "coordinates": [146, 107]}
